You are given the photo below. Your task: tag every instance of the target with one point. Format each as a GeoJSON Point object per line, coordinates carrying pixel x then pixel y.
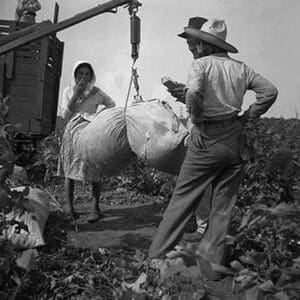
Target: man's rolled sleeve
{"type": "Point", "coordinates": [194, 93]}
{"type": "Point", "coordinates": [266, 94]}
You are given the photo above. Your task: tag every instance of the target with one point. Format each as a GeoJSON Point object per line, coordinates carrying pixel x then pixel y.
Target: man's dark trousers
{"type": "Point", "coordinates": [216, 161]}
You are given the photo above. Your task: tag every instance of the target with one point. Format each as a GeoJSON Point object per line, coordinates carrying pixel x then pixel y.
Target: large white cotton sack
{"type": "Point", "coordinates": [156, 135]}
{"type": "Point", "coordinates": [103, 143]}
{"type": "Point", "coordinates": [34, 217]}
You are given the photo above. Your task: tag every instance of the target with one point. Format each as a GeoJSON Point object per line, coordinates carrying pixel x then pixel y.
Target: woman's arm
{"type": "Point", "coordinates": [66, 113]}
{"type": "Point", "coordinates": [110, 102]}
{"type": "Point", "coordinates": [69, 102]}
{"type": "Point", "coordinates": [107, 101]}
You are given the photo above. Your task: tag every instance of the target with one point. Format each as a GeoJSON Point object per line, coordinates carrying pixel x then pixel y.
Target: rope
{"type": "Point", "coordinates": [129, 89]}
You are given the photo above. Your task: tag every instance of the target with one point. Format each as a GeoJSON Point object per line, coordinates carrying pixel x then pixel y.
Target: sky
{"type": "Point", "coordinates": [266, 32]}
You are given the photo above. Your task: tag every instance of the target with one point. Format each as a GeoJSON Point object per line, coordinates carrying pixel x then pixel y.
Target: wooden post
{"type": "Point", "coordinates": [10, 56]}
{"type": "Point", "coordinates": [2, 75]}
{"type": "Point", "coordinates": [56, 12]}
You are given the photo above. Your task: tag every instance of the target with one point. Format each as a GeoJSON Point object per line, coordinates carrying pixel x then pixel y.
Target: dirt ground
{"type": "Point", "coordinates": [127, 226]}
{"type": "Point", "coordinates": [122, 226]}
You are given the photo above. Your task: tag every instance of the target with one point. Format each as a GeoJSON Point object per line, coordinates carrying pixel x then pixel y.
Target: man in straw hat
{"type": "Point", "coordinates": [198, 223]}
{"type": "Point", "coordinates": [214, 96]}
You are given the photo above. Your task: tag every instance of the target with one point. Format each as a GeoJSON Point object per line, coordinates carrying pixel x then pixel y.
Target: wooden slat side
{"type": "Point", "coordinates": [24, 110]}
{"type": "Point", "coordinates": [50, 102]}
{"type": "Point", "coordinates": [4, 31]}
{"type": "Point", "coordinates": [27, 69]}
{"type": "Point", "coordinates": [6, 22]}
{"type": "Point", "coordinates": [23, 91]}
{"type": "Point", "coordinates": [2, 75]}
{"type": "Point", "coordinates": [27, 81]}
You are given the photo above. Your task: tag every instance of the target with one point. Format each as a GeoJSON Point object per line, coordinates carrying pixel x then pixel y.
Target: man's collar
{"type": "Point", "coordinates": [220, 54]}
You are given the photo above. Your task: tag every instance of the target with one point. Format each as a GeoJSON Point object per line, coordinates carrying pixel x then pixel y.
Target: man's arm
{"type": "Point", "coordinates": [194, 104]}
{"type": "Point", "coordinates": [266, 94]}
{"type": "Point", "coordinates": [194, 92]}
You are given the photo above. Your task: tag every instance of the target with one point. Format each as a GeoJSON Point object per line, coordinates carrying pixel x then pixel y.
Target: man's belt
{"type": "Point", "coordinates": [220, 120]}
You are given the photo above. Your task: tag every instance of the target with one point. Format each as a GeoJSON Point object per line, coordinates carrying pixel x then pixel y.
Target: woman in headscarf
{"type": "Point", "coordinates": [81, 101]}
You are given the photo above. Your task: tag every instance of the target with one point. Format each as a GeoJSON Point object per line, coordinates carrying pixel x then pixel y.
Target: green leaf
{"type": "Point", "coordinates": [247, 259]}
{"type": "Point", "coordinates": [194, 273]}
{"type": "Point", "coordinates": [297, 261]}
{"type": "Point", "coordinates": [69, 279]}
{"type": "Point", "coordinates": [268, 286]}
{"type": "Point", "coordinates": [236, 265]}
{"type": "Point", "coordinates": [136, 286]}
{"type": "Point", "coordinates": [246, 281]}
{"type": "Point", "coordinates": [258, 220]}
{"type": "Point", "coordinates": [281, 296]}
{"type": "Point", "coordinates": [251, 294]}
{"type": "Point", "coordinates": [246, 272]}
{"type": "Point", "coordinates": [26, 260]}
{"type": "Point", "coordinates": [245, 220]}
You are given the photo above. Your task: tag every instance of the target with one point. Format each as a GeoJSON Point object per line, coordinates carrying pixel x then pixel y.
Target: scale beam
{"type": "Point", "coordinates": [18, 39]}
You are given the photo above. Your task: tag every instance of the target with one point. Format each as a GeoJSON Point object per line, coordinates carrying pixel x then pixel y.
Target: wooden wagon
{"type": "Point", "coordinates": [31, 75]}
{"type": "Point", "coordinates": [30, 69]}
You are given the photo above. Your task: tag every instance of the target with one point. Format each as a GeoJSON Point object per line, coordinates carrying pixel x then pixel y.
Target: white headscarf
{"type": "Point", "coordinates": [69, 91]}
{"type": "Point", "coordinates": [90, 85]}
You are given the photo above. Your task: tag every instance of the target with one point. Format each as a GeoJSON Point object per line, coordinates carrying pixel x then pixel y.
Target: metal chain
{"type": "Point", "coordinates": [135, 81]}
{"type": "Point", "coordinates": [133, 9]}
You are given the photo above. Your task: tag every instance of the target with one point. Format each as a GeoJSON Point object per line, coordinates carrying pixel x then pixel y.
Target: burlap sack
{"type": "Point", "coordinates": [156, 134]}
{"type": "Point", "coordinates": [103, 143]}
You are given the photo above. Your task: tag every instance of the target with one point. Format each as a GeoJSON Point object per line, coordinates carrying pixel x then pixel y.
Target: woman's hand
{"type": "Point", "coordinates": [77, 92]}
{"type": "Point", "coordinates": [80, 87]}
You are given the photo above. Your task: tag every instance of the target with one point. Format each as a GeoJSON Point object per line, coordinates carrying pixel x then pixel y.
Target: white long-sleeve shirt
{"type": "Point", "coordinates": [218, 83]}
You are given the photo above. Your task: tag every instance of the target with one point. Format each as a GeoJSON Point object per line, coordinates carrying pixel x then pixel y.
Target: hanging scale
{"type": "Point", "coordinates": [135, 39]}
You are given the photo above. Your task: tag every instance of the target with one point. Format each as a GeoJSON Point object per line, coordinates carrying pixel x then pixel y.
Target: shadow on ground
{"type": "Point", "coordinates": [123, 218]}
{"type": "Point", "coordinates": [123, 226]}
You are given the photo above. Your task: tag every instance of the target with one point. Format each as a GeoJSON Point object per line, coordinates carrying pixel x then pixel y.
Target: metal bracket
{"type": "Point", "coordinates": [113, 11]}
{"type": "Point", "coordinates": [133, 7]}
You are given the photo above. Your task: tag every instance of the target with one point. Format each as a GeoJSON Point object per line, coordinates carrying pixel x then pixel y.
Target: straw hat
{"type": "Point", "coordinates": [195, 22]}
{"type": "Point", "coordinates": [213, 32]}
